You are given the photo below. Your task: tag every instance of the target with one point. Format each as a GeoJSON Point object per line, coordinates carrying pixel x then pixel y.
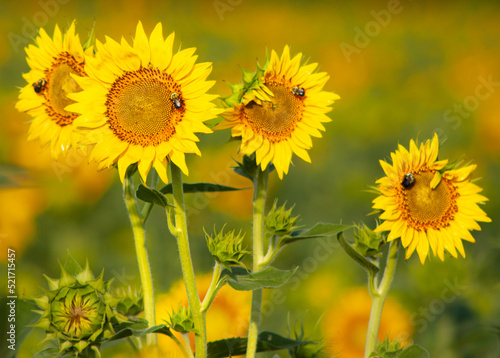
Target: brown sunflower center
{"type": "Point", "coordinates": [424, 206]}
{"type": "Point", "coordinates": [144, 106]}
{"type": "Point", "coordinates": [59, 85]}
{"type": "Point", "coordinates": [277, 119]}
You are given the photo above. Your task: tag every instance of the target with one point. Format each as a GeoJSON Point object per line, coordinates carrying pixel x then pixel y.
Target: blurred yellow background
{"type": "Point", "coordinates": [403, 69]}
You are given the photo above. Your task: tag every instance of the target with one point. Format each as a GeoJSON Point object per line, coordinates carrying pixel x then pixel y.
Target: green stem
{"type": "Point", "coordinates": [212, 290]}
{"type": "Point", "coordinates": [188, 353]}
{"type": "Point", "coordinates": [259, 202]}
{"type": "Point", "coordinates": [186, 262]}
{"type": "Point", "coordinates": [142, 254]}
{"type": "Point", "coordinates": [379, 294]}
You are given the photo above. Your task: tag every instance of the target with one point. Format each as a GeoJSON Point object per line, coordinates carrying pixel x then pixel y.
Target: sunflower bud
{"type": "Point", "coordinates": [367, 242]}
{"type": "Point", "coordinates": [182, 321]}
{"type": "Point", "coordinates": [387, 348]}
{"type": "Point", "coordinates": [279, 221]}
{"type": "Point", "coordinates": [226, 248]}
{"type": "Point", "coordinates": [76, 310]}
{"type": "Point", "coordinates": [130, 303]}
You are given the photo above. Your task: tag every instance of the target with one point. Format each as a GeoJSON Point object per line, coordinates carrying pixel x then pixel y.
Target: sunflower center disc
{"type": "Point", "coordinates": [144, 108]}
{"type": "Point", "coordinates": [427, 205]}
{"type": "Point", "coordinates": [140, 107]}
{"type": "Point", "coordinates": [277, 119]}
{"type": "Point", "coordinates": [60, 84]}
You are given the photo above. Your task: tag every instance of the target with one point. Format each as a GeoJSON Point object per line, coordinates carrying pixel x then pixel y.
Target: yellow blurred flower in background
{"type": "Point", "coordinates": [18, 210]}
{"type": "Point", "coordinates": [227, 316]}
{"type": "Point", "coordinates": [45, 97]}
{"type": "Point", "coordinates": [344, 326]}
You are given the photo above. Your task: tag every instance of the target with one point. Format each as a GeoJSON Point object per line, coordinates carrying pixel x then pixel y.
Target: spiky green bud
{"type": "Point", "coordinates": [367, 242]}
{"type": "Point", "coordinates": [227, 248]}
{"type": "Point", "coordinates": [280, 221]}
{"type": "Point", "coordinates": [77, 310]}
{"type": "Point", "coordinates": [130, 302]}
{"type": "Point", "coordinates": [182, 320]}
{"type": "Point", "coordinates": [387, 349]}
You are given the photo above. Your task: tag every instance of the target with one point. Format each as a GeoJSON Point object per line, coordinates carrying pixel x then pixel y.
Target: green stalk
{"type": "Point", "coordinates": [211, 292]}
{"type": "Point", "coordinates": [142, 255]}
{"type": "Point", "coordinates": [379, 294]}
{"type": "Point", "coordinates": [186, 262]}
{"type": "Point", "coordinates": [259, 202]}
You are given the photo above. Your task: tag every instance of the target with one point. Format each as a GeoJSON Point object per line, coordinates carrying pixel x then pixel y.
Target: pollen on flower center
{"type": "Point", "coordinates": [424, 206]}
{"type": "Point", "coordinates": [140, 108]}
{"type": "Point", "coordinates": [277, 119]}
{"type": "Point", "coordinates": [60, 84]}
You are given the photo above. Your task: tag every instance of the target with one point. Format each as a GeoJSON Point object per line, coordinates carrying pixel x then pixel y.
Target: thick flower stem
{"type": "Point", "coordinates": [187, 264]}
{"type": "Point", "coordinates": [142, 254]}
{"type": "Point", "coordinates": [259, 202]}
{"type": "Point", "coordinates": [379, 294]}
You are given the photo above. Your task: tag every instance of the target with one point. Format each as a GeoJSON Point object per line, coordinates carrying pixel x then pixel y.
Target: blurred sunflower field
{"type": "Point", "coordinates": [404, 70]}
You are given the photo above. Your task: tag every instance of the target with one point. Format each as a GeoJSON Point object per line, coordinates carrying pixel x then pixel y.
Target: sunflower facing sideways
{"type": "Point", "coordinates": [278, 109]}
{"type": "Point", "coordinates": [45, 97]}
{"type": "Point", "coordinates": [143, 103]}
{"type": "Point", "coordinates": [427, 203]}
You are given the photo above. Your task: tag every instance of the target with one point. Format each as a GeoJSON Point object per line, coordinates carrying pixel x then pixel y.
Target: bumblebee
{"type": "Point", "coordinates": [408, 180]}
{"type": "Point", "coordinates": [299, 91]}
{"type": "Point", "coordinates": [39, 85]}
{"type": "Point", "coordinates": [177, 101]}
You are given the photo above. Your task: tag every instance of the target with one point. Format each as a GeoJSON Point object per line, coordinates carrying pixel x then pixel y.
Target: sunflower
{"type": "Point", "coordinates": [279, 111]}
{"type": "Point", "coordinates": [45, 97]}
{"type": "Point", "coordinates": [427, 203]}
{"type": "Point", "coordinates": [143, 103]}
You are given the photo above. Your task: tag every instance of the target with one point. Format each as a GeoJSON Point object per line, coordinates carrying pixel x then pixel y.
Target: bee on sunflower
{"type": "Point", "coordinates": [52, 63]}
{"type": "Point", "coordinates": [430, 205]}
{"type": "Point", "coordinates": [143, 103]}
{"type": "Point", "coordinates": [277, 110]}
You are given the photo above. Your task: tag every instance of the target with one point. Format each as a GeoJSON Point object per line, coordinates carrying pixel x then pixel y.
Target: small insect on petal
{"type": "Point", "coordinates": [408, 180]}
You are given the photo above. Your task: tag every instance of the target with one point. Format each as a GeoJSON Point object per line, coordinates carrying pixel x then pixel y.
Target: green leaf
{"type": "Point", "coordinates": [356, 255]}
{"type": "Point", "coordinates": [414, 351]}
{"type": "Point", "coordinates": [316, 231]}
{"type": "Point", "coordinates": [190, 188]}
{"type": "Point", "coordinates": [152, 196]}
{"type": "Point", "coordinates": [46, 353]}
{"type": "Point", "coordinates": [243, 280]}
{"type": "Point", "coordinates": [90, 41]}
{"type": "Point", "coordinates": [267, 341]}
{"type": "Point", "coordinates": [138, 329]}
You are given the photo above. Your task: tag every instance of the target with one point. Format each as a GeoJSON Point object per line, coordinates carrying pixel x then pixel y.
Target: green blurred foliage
{"type": "Point", "coordinates": [421, 67]}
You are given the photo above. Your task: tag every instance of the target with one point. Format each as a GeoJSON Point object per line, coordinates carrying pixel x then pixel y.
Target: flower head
{"type": "Point", "coordinates": [427, 203]}
{"type": "Point", "coordinates": [78, 310]}
{"type": "Point", "coordinates": [278, 109]}
{"type": "Point", "coordinates": [143, 103]}
{"type": "Point", "coordinates": [45, 97]}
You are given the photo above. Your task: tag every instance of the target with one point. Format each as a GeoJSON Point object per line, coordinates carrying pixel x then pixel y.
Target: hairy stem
{"type": "Point", "coordinates": [186, 262]}
{"type": "Point", "coordinates": [142, 254]}
{"type": "Point", "coordinates": [379, 294]}
{"type": "Point", "coordinates": [259, 202]}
